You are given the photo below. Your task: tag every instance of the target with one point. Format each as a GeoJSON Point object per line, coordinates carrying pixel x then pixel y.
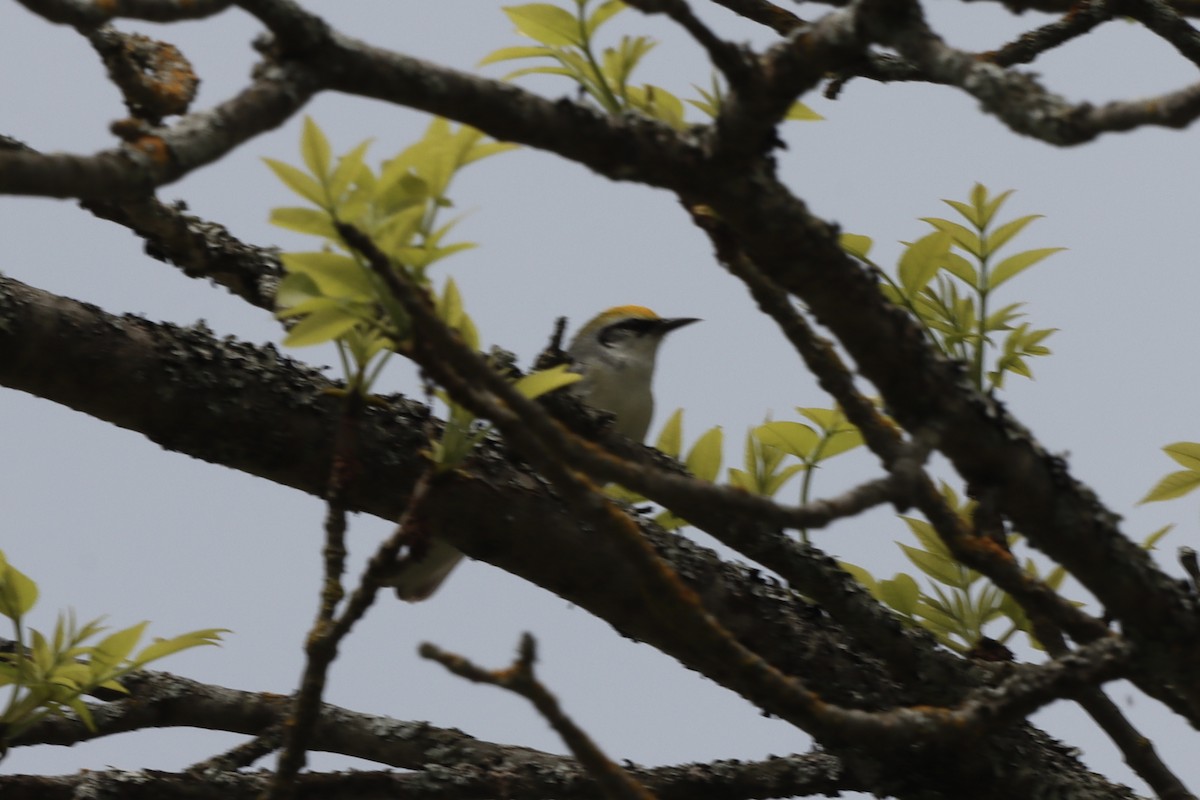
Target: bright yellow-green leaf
{"type": "Point", "coordinates": [315, 149]}
{"type": "Point", "coordinates": [856, 244]}
{"type": "Point", "coordinates": [979, 196]}
{"type": "Point", "coordinates": [83, 712]}
{"type": "Point", "coordinates": [802, 113]}
{"type": "Point", "coordinates": [116, 647]}
{"type": "Point", "coordinates": [520, 73]}
{"type": "Point", "coordinates": [936, 619]}
{"type": "Point", "coordinates": [1186, 454]}
{"type": "Point", "coordinates": [775, 481]}
{"type": "Point", "coordinates": [990, 207]}
{"type": "Point", "coordinates": [964, 237]}
{"type": "Point", "coordinates": [486, 149]}
{"type": "Point", "coordinates": [962, 269]}
{"type": "Point", "coordinates": [603, 13]}
{"type": "Point", "coordinates": [901, 593]}
{"type": "Point", "coordinates": [841, 442]}
{"type": "Point", "coordinates": [795, 438]}
{"type": "Point", "coordinates": [969, 212]}
{"type": "Point", "coordinates": [18, 592]}
{"type": "Point", "coordinates": [1177, 484]}
{"type": "Point", "coordinates": [348, 168]}
{"type": "Point", "coordinates": [654, 101]}
{"type": "Point", "coordinates": [468, 332]}
{"type": "Point", "coordinates": [704, 459]}
{"type": "Point", "coordinates": [73, 675]}
{"type": "Point", "coordinates": [545, 23]}
{"type": "Point", "coordinates": [304, 220]}
{"type": "Point", "coordinates": [862, 576]}
{"type": "Point", "coordinates": [827, 419]}
{"type": "Point", "coordinates": [298, 181]}
{"type": "Point", "coordinates": [999, 237]}
{"type": "Point", "coordinates": [539, 383]}
{"type": "Point", "coordinates": [450, 305]}
{"type": "Point", "coordinates": [1016, 264]}
{"type": "Point", "coordinates": [311, 305]}
{"type": "Point", "coordinates": [165, 647]}
{"type": "Point", "coordinates": [921, 261]}
{"type": "Point", "coordinates": [941, 568]}
{"type": "Point", "coordinates": [321, 326]}
{"type": "Point", "coordinates": [670, 438]}
{"type": "Point", "coordinates": [740, 479]}
{"type": "Point", "coordinates": [1150, 541]}
{"type": "Point", "coordinates": [334, 274]}
{"type": "Point", "coordinates": [512, 53]}
{"type": "Point", "coordinates": [927, 536]}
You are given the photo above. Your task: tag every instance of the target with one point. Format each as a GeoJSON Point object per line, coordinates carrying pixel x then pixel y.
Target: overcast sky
{"type": "Point", "coordinates": [108, 523]}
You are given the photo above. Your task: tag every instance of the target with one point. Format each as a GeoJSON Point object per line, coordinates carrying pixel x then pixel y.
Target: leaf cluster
{"type": "Point", "coordinates": [946, 280]}
{"type": "Point", "coordinates": [336, 296]}
{"type": "Point", "coordinates": [52, 674]}
{"type": "Point", "coordinates": [566, 37]}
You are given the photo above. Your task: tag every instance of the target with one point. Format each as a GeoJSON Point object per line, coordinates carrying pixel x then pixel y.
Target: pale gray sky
{"type": "Point", "coordinates": [108, 523]}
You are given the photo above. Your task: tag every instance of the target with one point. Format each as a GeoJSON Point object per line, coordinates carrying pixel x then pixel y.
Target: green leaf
{"type": "Point", "coordinates": [334, 275]}
{"type": "Point", "coordinates": [799, 111]}
{"type": "Point", "coordinates": [603, 13]}
{"type": "Point", "coordinates": [999, 237]}
{"type": "Point", "coordinates": [18, 592]}
{"type": "Point", "coordinates": [901, 593]}
{"type": "Point", "coordinates": [1150, 541]}
{"type": "Point", "coordinates": [545, 23]}
{"type": "Point", "coordinates": [921, 261]}
{"type": "Point", "coordinates": [969, 212]}
{"type": "Point", "coordinates": [321, 326]}
{"type": "Point", "coordinates": [990, 207]}
{"type": "Point", "coordinates": [314, 147]}
{"type": "Point", "coordinates": [775, 481]}
{"type": "Point", "coordinates": [305, 220]}
{"type": "Point", "coordinates": [862, 576]}
{"type": "Point", "coordinates": [486, 149]}
{"type": "Point", "coordinates": [840, 442]}
{"type": "Point", "coordinates": [704, 459]}
{"type": "Point", "coordinates": [790, 437]}
{"type": "Point", "coordinates": [1016, 264]}
{"type": "Point", "coordinates": [348, 169]}
{"type": "Point", "coordinates": [513, 53]}
{"type": "Point", "coordinates": [1186, 454]}
{"type": "Point", "coordinates": [964, 237]}
{"type": "Point", "coordinates": [116, 647]}
{"type": "Point", "coordinates": [670, 438]}
{"type": "Point", "coordinates": [165, 647]}
{"type": "Point", "coordinates": [856, 244]}
{"type": "Point", "coordinates": [962, 269]}
{"type": "Point", "coordinates": [1177, 484]}
{"type": "Point", "coordinates": [298, 181]}
{"type": "Point", "coordinates": [544, 381]}
{"type": "Point", "coordinates": [942, 569]}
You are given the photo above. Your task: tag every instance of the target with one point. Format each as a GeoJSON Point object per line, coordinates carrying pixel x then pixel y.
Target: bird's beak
{"type": "Point", "coordinates": [668, 325]}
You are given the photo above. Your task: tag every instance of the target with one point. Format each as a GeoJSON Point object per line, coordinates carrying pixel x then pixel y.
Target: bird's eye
{"type": "Point", "coordinates": [625, 329]}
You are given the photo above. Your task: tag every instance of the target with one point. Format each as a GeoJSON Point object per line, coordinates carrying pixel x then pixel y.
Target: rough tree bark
{"type": "Point", "coordinates": [894, 714]}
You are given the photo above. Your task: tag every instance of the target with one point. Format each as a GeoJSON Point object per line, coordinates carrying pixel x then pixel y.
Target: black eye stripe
{"type": "Point", "coordinates": [635, 327]}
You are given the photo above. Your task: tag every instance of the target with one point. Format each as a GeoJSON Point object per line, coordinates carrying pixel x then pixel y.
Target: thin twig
{"type": "Point", "coordinates": [614, 782]}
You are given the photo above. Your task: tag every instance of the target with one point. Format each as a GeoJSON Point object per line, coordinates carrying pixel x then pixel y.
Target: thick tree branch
{"type": "Point", "coordinates": [87, 14]}
{"type": "Point", "coordinates": [790, 776]}
{"type": "Point", "coordinates": [142, 376]}
{"type": "Point", "coordinates": [155, 156]}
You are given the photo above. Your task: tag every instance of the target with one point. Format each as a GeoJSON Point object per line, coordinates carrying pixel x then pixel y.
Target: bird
{"type": "Point", "coordinates": [615, 352]}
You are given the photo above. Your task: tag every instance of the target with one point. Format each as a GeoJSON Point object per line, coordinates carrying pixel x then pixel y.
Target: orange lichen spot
{"type": "Point", "coordinates": [991, 547]}
{"type": "Point", "coordinates": [106, 6]}
{"type": "Point", "coordinates": [155, 148]}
